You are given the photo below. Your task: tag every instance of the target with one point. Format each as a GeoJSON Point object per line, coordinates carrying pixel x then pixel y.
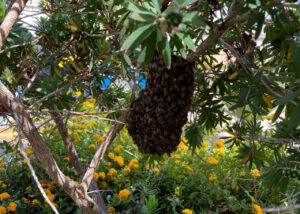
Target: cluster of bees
{"type": "Point", "coordinates": [157, 116]}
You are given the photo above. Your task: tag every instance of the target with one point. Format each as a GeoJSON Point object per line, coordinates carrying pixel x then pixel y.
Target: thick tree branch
{"type": "Point", "coordinates": [10, 19]}
{"type": "Point", "coordinates": [63, 131]}
{"type": "Point", "coordinates": [42, 151]}
{"type": "Point", "coordinates": [116, 128]}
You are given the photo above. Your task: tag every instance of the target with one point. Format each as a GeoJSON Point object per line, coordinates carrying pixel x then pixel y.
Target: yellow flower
{"type": "Point", "coordinates": [255, 173]}
{"type": "Point", "coordinates": [111, 172]}
{"type": "Point", "coordinates": [124, 194]}
{"type": "Point", "coordinates": [181, 146]}
{"type": "Point", "coordinates": [3, 185]}
{"type": "Point", "coordinates": [132, 164]}
{"type": "Point", "coordinates": [4, 196]}
{"type": "Point", "coordinates": [12, 206]}
{"type": "Point", "coordinates": [107, 163]}
{"type": "Point", "coordinates": [269, 117]}
{"type": "Point", "coordinates": [61, 64]}
{"type": "Point", "coordinates": [111, 155]}
{"type": "Point", "coordinates": [187, 211]}
{"type": "Point", "coordinates": [220, 153]}
{"type": "Point", "coordinates": [119, 160]}
{"type": "Point", "coordinates": [77, 183]}
{"type": "Point", "coordinates": [2, 210]}
{"type": "Point", "coordinates": [157, 171]}
{"type": "Point", "coordinates": [242, 174]}
{"type": "Point", "coordinates": [118, 148]}
{"type": "Point", "coordinates": [212, 161]}
{"type": "Point", "coordinates": [13, 123]}
{"type": "Point", "coordinates": [111, 210]}
{"type": "Point", "coordinates": [122, 140]}
{"type": "Point", "coordinates": [101, 175]}
{"type": "Point", "coordinates": [197, 150]}
{"type": "Point", "coordinates": [189, 168]}
{"type": "Point", "coordinates": [36, 202]}
{"type": "Point", "coordinates": [95, 176]}
{"type": "Point", "coordinates": [78, 93]}
{"type": "Point", "coordinates": [77, 139]}
{"type": "Point", "coordinates": [256, 209]}
{"type": "Point", "coordinates": [92, 146]}
{"type": "Point", "coordinates": [66, 159]}
{"type": "Point", "coordinates": [212, 178]}
{"type": "Point", "coordinates": [69, 132]}
{"type": "Point", "coordinates": [25, 200]}
{"type": "Point", "coordinates": [175, 156]}
{"type": "Point", "coordinates": [204, 144]}
{"type": "Point", "coordinates": [2, 169]}
{"type": "Point", "coordinates": [91, 124]}
{"type": "Point", "coordinates": [235, 149]}
{"type": "Point", "coordinates": [218, 144]}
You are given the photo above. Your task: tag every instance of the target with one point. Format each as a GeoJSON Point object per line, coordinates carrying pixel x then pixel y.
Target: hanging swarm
{"type": "Point", "coordinates": [157, 116]}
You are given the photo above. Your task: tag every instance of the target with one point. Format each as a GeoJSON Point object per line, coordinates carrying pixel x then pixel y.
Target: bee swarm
{"type": "Point", "coordinates": [157, 116]}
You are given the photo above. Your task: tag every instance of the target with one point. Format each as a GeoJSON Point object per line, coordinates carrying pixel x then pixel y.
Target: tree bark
{"type": "Point", "coordinates": [97, 196]}
{"type": "Point", "coordinates": [10, 19]}
{"type": "Point", "coordinates": [43, 153]}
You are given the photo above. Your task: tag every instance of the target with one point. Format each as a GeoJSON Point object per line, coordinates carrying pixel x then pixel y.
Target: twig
{"type": "Point", "coordinates": [47, 96]}
{"type": "Point", "coordinates": [279, 209]}
{"type": "Point", "coordinates": [20, 45]}
{"type": "Point", "coordinates": [28, 160]}
{"type": "Point", "coordinates": [30, 82]}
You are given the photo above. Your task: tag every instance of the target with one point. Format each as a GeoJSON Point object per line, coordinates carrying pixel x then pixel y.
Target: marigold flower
{"type": "Point", "coordinates": [95, 176]}
{"type": "Point", "coordinates": [181, 146]}
{"type": "Point", "coordinates": [77, 139]}
{"type": "Point", "coordinates": [13, 122]}
{"type": "Point", "coordinates": [122, 140]}
{"type": "Point", "coordinates": [12, 206]}
{"type": "Point", "coordinates": [118, 148]}
{"type": "Point", "coordinates": [219, 144]}
{"type": "Point", "coordinates": [212, 161]}
{"type": "Point", "coordinates": [111, 210]}
{"type": "Point", "coordinates": [187, 211]}
{"type": "Point", "coordinates": [36, 202]}
{"type": "Point", "coordinates": [2, 169]}
{"type": "Point", "coordinates": [242, 174]}
{"type": "Point", "coordinates": [111, 172]}
{"type": "Point", "coordinates": [25, 200]}
{"type": "Point", "coordinates": [103, 185]}
{"type": "Point", "coordinates": [92, 146]}
{"type": "Point", "coordinates": [119, 160]}
{"type": "Point", "coordinates": [2, 210]}
{"type": "Point", "coordinates": [78, 93]}
{"type": "Point", "coordinates": [256, 209]}
{"type": "Point", "coordinates": [255, 173]}
{"type": "Point", "coordinates": [101, 175]}
{"type": "Point", "coordinates": [66, 159]}
{"type": "Point", "coordinates": [4, 196]}
{"type": "Point", "coordinates": [175, 156]}
{"type": "Point", "coordinates": [204, 144]}
{"type": "Point", "coordinates": [132, 164]}
{"type": "Point", "coordinates": [111, 155]}
{"type": "Point", "coordinates": [3, 185]}
{"type": "Point", "coordinates": [220, 153]}
{"type": "Point", "coordinates": [235, 149]}
{"type": "Point", "coordinates": [124, 194]}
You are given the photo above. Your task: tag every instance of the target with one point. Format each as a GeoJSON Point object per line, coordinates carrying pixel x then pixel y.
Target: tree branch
{"type": "Point", "coordinates": [10, 19]}
{"type": "Point", "coordinates": [279, 209]}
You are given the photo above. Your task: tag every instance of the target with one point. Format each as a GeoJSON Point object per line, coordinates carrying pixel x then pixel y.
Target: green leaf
{"type": "Point", "coordinates": [296, 57]}
{"type": "Point", "coordinates": [183, 3]}
{"type": "Point", "coordinates": [285, 99]}
{"type": "Point", "coordinates": [157, 5]}
{"type": "Point", "coordinates": [260, 22]}
{"type": "Point", "coordinates": [277, 113]}
{"type": "Point", "coordinates": [212, 38]}
{"type": "Point", "coordinates": [164, 49]}
{"type": "Point", "coordinates": [127, 59]}
{"type": "Point", "coordinates": [143, 17]}
{"type": "Point", "coordinates": [295, 118]}
{"type": "Point", "coordinates": [147, 52]}
{"type": "Point", "coordinates": [138, 36]}
{"type": "Point", "coordinates": [136, 8]}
